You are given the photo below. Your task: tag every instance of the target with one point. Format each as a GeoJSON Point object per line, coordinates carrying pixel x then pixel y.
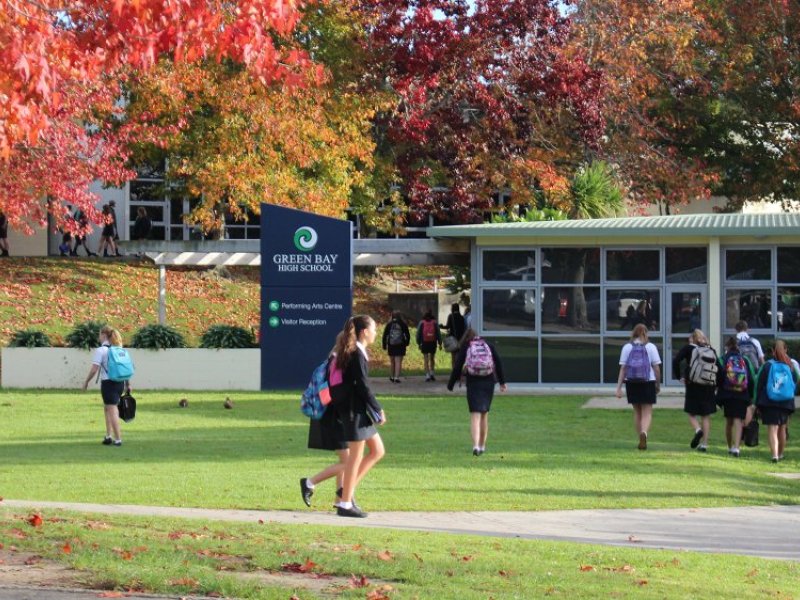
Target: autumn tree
{"type": "Point", "coordinates": [484, 98]}
{"type": "Point", "coordinates": [61, 67]}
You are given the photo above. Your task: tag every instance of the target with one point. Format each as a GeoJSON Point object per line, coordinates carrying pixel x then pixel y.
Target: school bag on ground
{"type": "Point", "coordinates": [396, 334]}
{"type": "Point", "coordinates": [479, 361]}
{"type": "Point", "coordinates": [748, 349]}
{"type": "Point", "coordinates": [736, 374]}
{"type": "Point", "coordinates": [637, 367]}
{"type": "Point", "coordinates": [429, 331]}
{"type": "Point", "coordinates": [780, 384]}
{"type": "Point", "coordinates": [703, 366]}
{"type": "Point", "coordinates": [317, 396]}
{"type": "Point", "coordinates": [119, 364]}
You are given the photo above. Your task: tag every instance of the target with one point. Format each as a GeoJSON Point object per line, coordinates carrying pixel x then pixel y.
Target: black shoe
{"type": "Point", "coordinates": [350, 512]}
{"type": "Point", "coordinates": [702, 449]}
{"type": "Point", "coordinates": [476, 452]}
{"type": "Point", "coordinates": [396, 380]}
{"type": "Point", "coordinates": [775, 459]}
{"type": "Point", "coordinates": [696, 439]}
{"type": "Point", "coordinates": [118, 443]}
{"type": "Point", "coordinates": [433, 378]}
{"type": "Point", "coordinates": [107, 441]}
{"type": "Point", "coordinates": [305, 491]}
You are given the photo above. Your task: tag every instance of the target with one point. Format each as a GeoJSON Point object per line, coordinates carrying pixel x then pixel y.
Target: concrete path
{"type": "Point", "coordinates": [768, 532]}
{"type": "Point", "coordinates": [18, 592]}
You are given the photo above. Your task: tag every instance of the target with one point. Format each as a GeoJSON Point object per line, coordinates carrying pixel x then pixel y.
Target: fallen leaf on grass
{"type": "Point", "coordinates": [357, 547]}
{"type": "Point", "coordinates": [35, 520]}
{"type": "Point", "coordinates": [66, 548]}
{"type": "Point", "coordinates": [377, 595]}
{"type": "Point", "coordinates": [32, 560]}
{"type": "Point", "coordinates": [752, 573]}
{"type": "Point", "coordinates": [18, 533]}
{"type": "Point", "coordinates": [299, 568]}
{"type": "Point", "coordinates": [503, 573]}
{"type": "Point", "coordinates": [585, 568]}
{"type": "Point", "coordinates": [386, 555]}
{"type": "Point", "coordinates": [418, 557]}
{"type": "Point", "coordinates": [110, 595]}
{"type": "Point", "coordinates": [187, 581]}
{"type": "Point", "coordinates": [261, 521]}
{"type": "Point", "coordinates": [641, 582]}
{"type": "Point", "coordinates": [97, 525]}
{"type": "Point", "coordinates": [359, 581]}
{"type": "Point", "coordinates": [466, 558]}
{"type": "Point", "coordinates": [622, 569]}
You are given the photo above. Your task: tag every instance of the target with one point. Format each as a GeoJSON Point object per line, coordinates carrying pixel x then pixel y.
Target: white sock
{"type": "Point", "coordinates": [482, 448]}
{"type": "Point", "coordinates": [309, 484]}
{"type": "Point", "coordinates": [345, 505]}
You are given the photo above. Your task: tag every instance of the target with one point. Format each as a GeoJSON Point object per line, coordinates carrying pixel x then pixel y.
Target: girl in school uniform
{"type": "Point", "coordinates": [358, 409]}
{"type": "Point", "coordinates": [641, 392]}
{"type": "Point", "coordinates": [480, 389]}
{"type": "Point", "coordinates": [700, 399]}
{"type": "Point", "coordinates": [735, 399]}
{"type": "Point", "coordinates": [775, 414]}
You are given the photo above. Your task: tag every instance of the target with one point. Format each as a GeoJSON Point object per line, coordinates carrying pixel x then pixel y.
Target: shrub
{"type": "Point", "coordinates": [156, 337]}
{"type": "Point", "coordinates": [227, 336]}
{"type": "Point", "coordinates": [85, 335]}
{"type": "Point", "coordinates": [29, 338]}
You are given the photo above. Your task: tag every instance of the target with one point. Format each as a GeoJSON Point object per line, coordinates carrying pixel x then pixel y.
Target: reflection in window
{"type": "Point", "coordinates": [751, 306]}
{"type": "Point", "coordinates": [520, 356]}
{"type": "Point", "coordinates": [789, 309]}
{"type": "Point", "coordinates": [509, 310]}
{"type": "Point", "coordinates": [789, 265]}
{"type": "Point", "coordinates": [509, 265]}
{"type": "Point", "coordinates": [571, 265]}
{"type": "Point", "coordinates": [748, 265]}
{"type": "Point", "coordinates": [571, 360]}
{"type": "Point", "coordinates": [626, 308]}
{"type": "Point", "coordinates": [687, 265]}
{"type": "Point", "coordinates": [570, 309]}
{"type": "Point", "coordinates": [632, 265]}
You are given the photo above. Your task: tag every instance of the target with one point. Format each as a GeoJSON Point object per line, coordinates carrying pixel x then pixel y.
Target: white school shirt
{"type": "Point", "coordinates": [652, 357]}
{"type": "Point", "coordinates": [363, 349]}
{"type": "Point", "coordinates": [100, 358]}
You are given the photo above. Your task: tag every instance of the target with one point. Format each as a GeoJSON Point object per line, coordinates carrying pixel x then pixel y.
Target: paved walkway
{"type": "Point", "coordinates": [768, 532]}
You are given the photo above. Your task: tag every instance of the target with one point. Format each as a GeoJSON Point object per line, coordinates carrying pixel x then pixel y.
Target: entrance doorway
{"type": "Point", "coordinates": [686, 311]}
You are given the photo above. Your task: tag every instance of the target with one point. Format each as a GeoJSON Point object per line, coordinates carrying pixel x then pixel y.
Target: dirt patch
{"type": "Point", "coordinates": [23, 568]}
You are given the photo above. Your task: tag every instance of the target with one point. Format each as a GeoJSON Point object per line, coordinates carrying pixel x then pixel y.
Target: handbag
{"type": "Point", "coordinates": [450, 343]}
{"type": "Point", "coordinates": [127, 406]}
{"type": "Point", "coordinates": [750, 433]}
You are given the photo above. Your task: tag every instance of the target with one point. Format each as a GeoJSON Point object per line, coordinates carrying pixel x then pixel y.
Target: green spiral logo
{"type": "Point", "coordinates": [305, 238]}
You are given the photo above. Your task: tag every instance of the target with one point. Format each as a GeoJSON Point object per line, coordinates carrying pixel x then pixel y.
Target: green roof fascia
{"type": "Point", "coordinates": [704, 225]}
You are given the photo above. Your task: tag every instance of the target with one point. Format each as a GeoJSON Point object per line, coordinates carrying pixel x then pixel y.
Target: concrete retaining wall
{"type": "Point", "coordinates": [179, 368]}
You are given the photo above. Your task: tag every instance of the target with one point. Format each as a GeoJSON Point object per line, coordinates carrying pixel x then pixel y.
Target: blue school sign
{"type": "Point", "coordinates": [306, 292]}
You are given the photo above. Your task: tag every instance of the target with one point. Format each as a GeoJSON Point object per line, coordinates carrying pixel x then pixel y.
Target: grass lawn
{"type": "Point", "coordinates": [252, 560]}
{"type": "Point", "coordinates": [543, 453]}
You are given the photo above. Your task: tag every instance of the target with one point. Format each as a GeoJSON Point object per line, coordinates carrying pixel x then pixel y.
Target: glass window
{"type": "Point", "coordinates": [626, 308]}
{"type": "Point", "coordinates": [789, 265]}
{"type": "Point", "coordinates": [571, 360]}
{"type": "Point", "coordinates": [687, 265]}
{"type": "Point", "coordinates": [571, 265]}
{"type": "Point", "coordinates": [570, 309]}
{"type": "Point", "coordinates": [748, 265]}
{"type": "Point", "coordinates": [612, 349]}
{"type": "Point", "coordinates": [509, 310]}
{"type": "Point", "coordinates": [520, 356]}
{"type": "Point", "coordinates": [751, 306]}
{"type": "Point", "coordinates": [632, 265]}
{"type": "Point", "coordinates": [789, 309]}
{"type": "Point", "coordinates": [509, 265]}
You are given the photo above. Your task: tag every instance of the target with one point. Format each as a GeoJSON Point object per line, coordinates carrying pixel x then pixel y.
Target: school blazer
{"type": "Point", "coordinates": [357, 394]}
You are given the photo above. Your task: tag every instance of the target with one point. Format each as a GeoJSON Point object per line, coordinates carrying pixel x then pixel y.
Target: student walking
{"type": "Point", "coordinates": [697, 366]}
{"type": "Point", "coordinates": [142, 225]}
{"type": "Point", "coordinates": [478, 359]}
{"type": "Point", "coordinates": [107, 242]}
{"type": "Point", "coordinates": [326, 433]}
{"type": "Point", "coordinates": [749, 347]}
{"type": "Point", "coordinates": [3, 234]}
{"type": "Point", "coordinates": [640, 370]}
{"type": "Point", "coordinates": [455, 328]}
{"type": "Point", "coordinates": [396, 338]}
{"type": "Point", "coordinates": [428, 339]}
{"type": "Point", "coordinates": [109, 390]}
{"type": "Point", "coordinates": [735, 384]}
{"type": "Point", "coordinates": [357, 409]}
{"type": "Point", "coordinates": [775, 387]}
{"type": "Point", "coordinates": [82, 220]}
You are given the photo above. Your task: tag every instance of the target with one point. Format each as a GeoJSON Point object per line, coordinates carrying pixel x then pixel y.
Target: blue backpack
{"type": "Point", "coordinates": [637, 367]}
{"type": "Point", "coordinates": [780, 383]}
{"type": "Point", "coordinates": [119, 365]}
{"type": "Point", "coordinates": [317, 396]}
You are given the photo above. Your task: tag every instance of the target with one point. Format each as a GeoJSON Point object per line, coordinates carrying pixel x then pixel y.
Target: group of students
{"type": "Point", "coordinates": [397, 339]}
{"type": "Point", "coordinates": [740, 381]}
{"type": "Point", "coordinates": [349, 424]}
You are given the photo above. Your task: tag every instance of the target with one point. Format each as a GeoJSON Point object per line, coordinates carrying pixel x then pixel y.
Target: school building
{"type": "Point", "coordinates": [560, 298]}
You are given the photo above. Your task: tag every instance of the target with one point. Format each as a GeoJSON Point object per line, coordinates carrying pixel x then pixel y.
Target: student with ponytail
{"type": "Point", "coordinates": [775, 410]}
{"type": "Point", "coordinates": [109, 390]}
{"type": "Point", "coordinates": [358, 409]}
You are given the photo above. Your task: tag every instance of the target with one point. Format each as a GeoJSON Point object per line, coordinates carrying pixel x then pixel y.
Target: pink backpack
{"type": "Point", "coordinates": [479, 361]}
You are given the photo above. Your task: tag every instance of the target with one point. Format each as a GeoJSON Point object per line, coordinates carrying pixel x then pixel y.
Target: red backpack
{"type": "Point", "coordinates": [429, 331]}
